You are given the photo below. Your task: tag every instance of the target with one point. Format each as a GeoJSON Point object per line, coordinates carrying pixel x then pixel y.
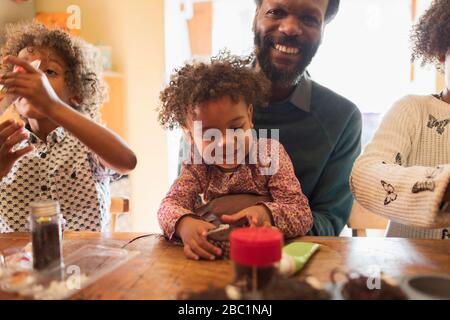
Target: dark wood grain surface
{"type": "Point", "coordinates": [160, 270]}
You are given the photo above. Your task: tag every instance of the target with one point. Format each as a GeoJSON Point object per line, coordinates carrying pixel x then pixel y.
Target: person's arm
{"type": "Point", "coordinates": [177, 218]}
{"type": "Point", "coordinates": [382, 184]}
{"type": "Point", "coordinates": [33, 85]}
{"type": "Point", "coordinates": [331, 200]}
{"type": "Point", "coordinates": [109, 147]}
{"type": "Point", "coordinates": [180, 201]}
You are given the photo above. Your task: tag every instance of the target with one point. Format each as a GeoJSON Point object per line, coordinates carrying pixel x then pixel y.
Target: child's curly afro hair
{"type": "Point", "coordinates": [431, 35]}
{"type": "Point", "coordinates": [199, 82]}
{"type": "Point", "coordinates": [83, 75]}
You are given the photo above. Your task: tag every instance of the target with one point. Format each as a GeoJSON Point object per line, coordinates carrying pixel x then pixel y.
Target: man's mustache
{"type": "Point", "coordinates": [283, 40]}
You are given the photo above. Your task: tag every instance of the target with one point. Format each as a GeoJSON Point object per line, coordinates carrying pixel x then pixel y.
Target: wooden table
{"type": "Point", "coordinates": [161, 271]}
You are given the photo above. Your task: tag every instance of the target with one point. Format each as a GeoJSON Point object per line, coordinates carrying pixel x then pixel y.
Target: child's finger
{"type": "Point", "coordinates": [8, 75]}
{"type": "Point", "coordinates": [197, 249]}
{"type": "Point", "coordinates": [189, 253]}
{"type": "Point", "coordinates": [21, 63]}
{"type": "Point", "coordinates": [19, 91]}
{"type": "Point", "coordinates": [209, 247]}
{"type": "Point", "coordinates": [15, 82]}
{"type": "Point", "coordinates": [254, 221]}
{"type": "Point", "coordinates": [21, 152]}
{"type": "Point", "coordinates": [6, 124]}
{"type": "Point", "coordinates": [233, 218]}
{"type": "Point", "coordinates": [14, 139]}
{"type": "Point", "coordinates": [267, 224]}
{"type": "Point", "coordinates": [8, 131]}
{"type": "Point", "coordinates": [203, 231]}
{"type": "Point", "coordinates": [14, 75]}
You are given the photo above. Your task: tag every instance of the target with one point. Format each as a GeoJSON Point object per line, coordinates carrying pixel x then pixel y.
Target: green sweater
{"type": "Point", "coordinates": [321, 132]}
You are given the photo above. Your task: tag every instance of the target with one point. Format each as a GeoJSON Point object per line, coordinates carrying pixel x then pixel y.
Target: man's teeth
{"type": "Point", "coordinates": [288, 50]}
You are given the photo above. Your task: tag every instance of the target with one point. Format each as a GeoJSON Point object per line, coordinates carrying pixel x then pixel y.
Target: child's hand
{"type": "Point", "coordinates": [32, 85]}
{"type": "Point", "coordinates": [257, 216]}
{"type": "Point", "coordinates": [11, 133]}
{"type": "Point", "coordinates": [193, 232]}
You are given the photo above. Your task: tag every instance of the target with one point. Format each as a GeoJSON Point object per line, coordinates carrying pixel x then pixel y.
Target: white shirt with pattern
{"type": "Point", "coordinates": [61, 169]}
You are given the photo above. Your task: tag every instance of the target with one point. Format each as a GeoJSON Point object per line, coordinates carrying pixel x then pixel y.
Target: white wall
{"type": "Point", "coordinates": [178, 51]}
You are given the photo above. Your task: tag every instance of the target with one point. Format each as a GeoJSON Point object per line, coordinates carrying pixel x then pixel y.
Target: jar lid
{"type": "Point", "coordinates": [45, 208]}
{"type": "Point", "coordinates": [256, 247]}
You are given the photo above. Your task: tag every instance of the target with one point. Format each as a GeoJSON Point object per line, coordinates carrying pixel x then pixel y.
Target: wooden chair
{"type": "Point", "coordinates": [362, 219]}
{"type": "Point", "coordinates": [119, 206]}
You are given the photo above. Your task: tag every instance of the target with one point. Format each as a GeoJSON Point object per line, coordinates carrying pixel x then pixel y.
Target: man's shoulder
{"type": "Point", "coordinates": [335, 112]}
{"type": "Point", "coordinates": [326, 100]}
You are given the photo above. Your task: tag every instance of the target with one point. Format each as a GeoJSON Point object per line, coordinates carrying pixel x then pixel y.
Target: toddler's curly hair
{"type": "Point", "coordinates": [83, 76]}
{"type": "Point", "coordinates": [199, 82]}
{"type": "Point", "coordinates": [431, 35]}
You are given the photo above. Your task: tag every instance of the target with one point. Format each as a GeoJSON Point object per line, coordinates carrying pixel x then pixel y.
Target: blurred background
{"type": "Point", "coordinates": [365, 56]}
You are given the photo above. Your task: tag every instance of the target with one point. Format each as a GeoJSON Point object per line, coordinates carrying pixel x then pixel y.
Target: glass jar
{"type": "Point", "coordinates": [46, 234]}
{"type": "Point", "coordinates": [255, 253]}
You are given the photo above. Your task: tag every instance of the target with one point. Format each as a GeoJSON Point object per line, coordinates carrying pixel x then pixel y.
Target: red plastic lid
{"type": "Point", "coordinates": [256, 247]}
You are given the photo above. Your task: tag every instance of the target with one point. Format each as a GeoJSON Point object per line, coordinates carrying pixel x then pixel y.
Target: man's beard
{"type": "Point", "coordinates": [287, 76]}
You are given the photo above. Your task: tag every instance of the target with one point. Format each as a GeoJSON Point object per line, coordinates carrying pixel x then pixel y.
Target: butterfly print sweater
{"type": "Point", "coordinates": [404, 172]}
{"type": "Point", "coordinates": [289, 206]}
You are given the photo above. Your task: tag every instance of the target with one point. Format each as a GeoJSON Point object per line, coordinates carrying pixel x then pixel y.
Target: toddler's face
{"type": "Point", "coordinates": [54, 68]}
{"type": "Point", "coordinates": [230, 123]}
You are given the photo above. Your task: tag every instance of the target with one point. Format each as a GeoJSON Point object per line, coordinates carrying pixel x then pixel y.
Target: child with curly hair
{"type": "Point", "coordinates": [61, 152]}
{"type": "Point", "coordinates": [404, 173]}
{"type": "Point", "coordinates": [213, 104]}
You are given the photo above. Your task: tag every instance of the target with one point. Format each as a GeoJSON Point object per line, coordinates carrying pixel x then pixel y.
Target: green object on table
{"type": "Point", "coordinates": [295, 256]}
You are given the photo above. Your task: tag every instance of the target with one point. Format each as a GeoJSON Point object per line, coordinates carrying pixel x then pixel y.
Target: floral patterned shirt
{"type": "Point", "coordinates": [289, 206]}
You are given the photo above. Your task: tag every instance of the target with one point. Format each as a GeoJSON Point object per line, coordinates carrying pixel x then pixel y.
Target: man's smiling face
{"type": "Point", "coordinates": [287, 36]}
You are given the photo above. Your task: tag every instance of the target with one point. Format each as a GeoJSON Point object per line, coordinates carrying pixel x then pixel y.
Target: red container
{"type": "Point", "coordinates": [255, 253]}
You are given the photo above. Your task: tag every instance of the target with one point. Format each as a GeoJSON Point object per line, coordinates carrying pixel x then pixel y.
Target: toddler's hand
{"type": "Point", "coordinates": [257, 216]}
{"type": "Point", "coordinates": [31, 84]}
{"type": "Point", "coordinates": [11, 133]}
{"type": "Point", "coordinates": [193, 232]}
